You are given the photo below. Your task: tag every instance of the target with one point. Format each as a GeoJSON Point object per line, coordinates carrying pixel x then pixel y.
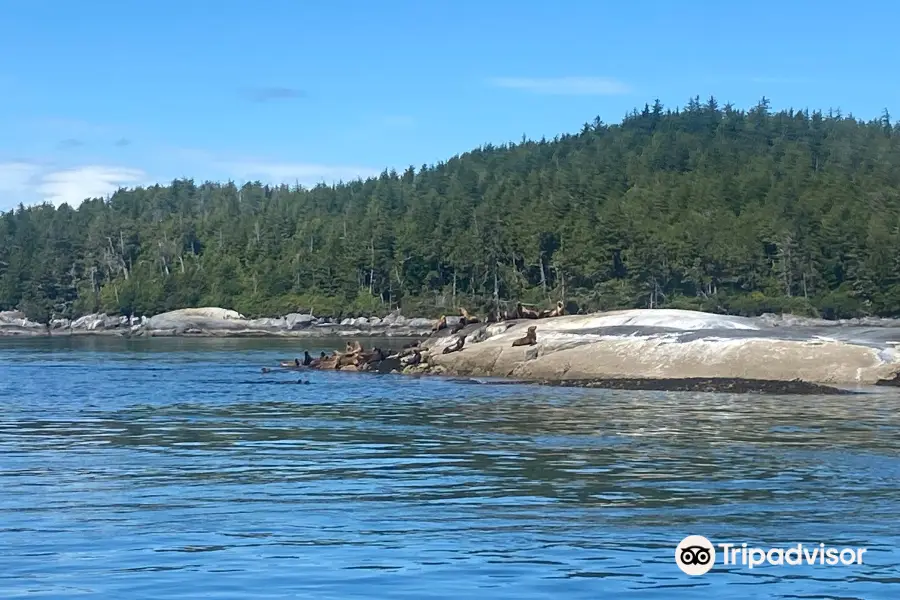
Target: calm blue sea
{"type": "Point", "coordinates": [176, 469]}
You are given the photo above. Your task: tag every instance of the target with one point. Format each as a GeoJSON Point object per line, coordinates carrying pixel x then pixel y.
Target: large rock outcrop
{"type": "Point", "coordinates": [671, 344]}
{"type": "Point", "coordinates": [13, 322]}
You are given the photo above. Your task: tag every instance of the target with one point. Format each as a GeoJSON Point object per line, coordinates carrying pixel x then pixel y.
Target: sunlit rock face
{"type": "Point", "coordinates": [675, 344]}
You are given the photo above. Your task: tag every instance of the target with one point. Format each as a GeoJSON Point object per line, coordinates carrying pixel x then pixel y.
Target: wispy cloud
{"type": "Point", "coordinates": [568, 86]}
{"type": "Point", "coordinates": [268, 94]}
{"type": "Point", "coordinates": [16, 180]}
{"type": "Point", "coordinates": [70, 143]}
{"type": "Point", "coordinates": [30, 182]}
{"type": "Point", "coordinates": [307, 174]}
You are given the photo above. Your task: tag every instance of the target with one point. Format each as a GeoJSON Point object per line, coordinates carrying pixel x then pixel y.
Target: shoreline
{"type": "Point", "coordinates": [638, 349]}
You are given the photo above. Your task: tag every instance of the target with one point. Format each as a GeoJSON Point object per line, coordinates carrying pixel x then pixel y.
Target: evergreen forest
{"type": "Point", "coordinates": [707, 207]}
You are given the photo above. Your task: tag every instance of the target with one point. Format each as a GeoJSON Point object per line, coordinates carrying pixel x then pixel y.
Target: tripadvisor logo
{"type": "Point", "coordinates": [696, 555]}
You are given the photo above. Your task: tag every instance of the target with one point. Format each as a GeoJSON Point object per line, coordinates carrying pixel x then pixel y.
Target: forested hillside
{"type": "Point", "coordinates": [706, 207]}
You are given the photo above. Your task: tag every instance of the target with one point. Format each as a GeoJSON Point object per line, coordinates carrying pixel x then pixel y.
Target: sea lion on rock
{"type": "Point", "coordinates": [525, 313]}
{"type": "Point", "coordinates": [467, 319]}
{"type": "Point", "coordinates": [307, 359]}
{"type": "Point", "coordinates": [555, 312]}
{"type": "Point", "coordinates": [411, 359]}
{"type": "Point", "coordinates": [329, 362]}
{"type": "Point", "coordinates": [441, 324]}
{"type": "Point", "coordinates": [455, 346]}
{"type": "Point", "coordinates": [375, 355]}
{"type": "Point", "coordinates": [314, 364]}
{"type": "Point", "coordinates": [346, 360]}
{"type": "Point", "coordinates": [530, 338]}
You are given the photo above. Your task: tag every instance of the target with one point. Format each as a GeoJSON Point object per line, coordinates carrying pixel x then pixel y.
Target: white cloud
{"type": "Point", "coordinates": [72, 186]}
{"type": "Point", "coordinates": [570, 86]}
{"type": "Point", "coordinates": [307, 174]}
{"type": "Point", "coordinates": [30, 183]}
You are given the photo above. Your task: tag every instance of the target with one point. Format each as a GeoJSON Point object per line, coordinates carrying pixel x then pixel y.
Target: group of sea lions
{"type": "Point", "coordinates": [356, 358]}
{"type": "Point", "coordinates": [520, 312]}
{"type": "Point", "coordinates": [353, 358]}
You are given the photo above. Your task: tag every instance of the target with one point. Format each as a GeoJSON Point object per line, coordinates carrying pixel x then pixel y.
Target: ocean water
{"type": "Point", "coordinates": [176, 469]}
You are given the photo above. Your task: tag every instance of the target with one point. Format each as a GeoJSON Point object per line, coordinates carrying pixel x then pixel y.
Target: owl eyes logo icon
{"type": "Point", "coordinates": [695, 555]}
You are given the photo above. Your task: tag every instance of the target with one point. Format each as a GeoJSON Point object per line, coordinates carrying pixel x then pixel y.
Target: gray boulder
{"type": "Point", "coordinates": [296, 321]}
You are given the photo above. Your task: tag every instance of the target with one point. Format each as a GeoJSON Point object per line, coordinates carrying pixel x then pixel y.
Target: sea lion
{"type": "Point", "coordinates": [411, 359]}
{"type": "Point", "coordinates": [346, 360]}
{"type": "Point", "coordinates": [441, 324]}
{"type": "Point", "coordinates": [456, 346]}
{"type": "Point", "coordinates": [467, 318]}
{"type": "Point", "coordinates": [307, 359]}
{"type": "Point", "coordinates": [315, 362]}
{"type": "Point", "coordinates": [329, 362]}
{"type": "Point", "coordinates": [375, 355]}
{"type": "Point", "coordinates": [530, 338]}
{"type": "Point", "coordinates": [458, 327]}
{"type": "Point", "coordinates": [289, 364]}
{"type": "Point", "coordinates": [266, 370]}
{"type": "Point", "coordinates": [525, 313]}
{"type": "Point", "coordinates": [554, 312]}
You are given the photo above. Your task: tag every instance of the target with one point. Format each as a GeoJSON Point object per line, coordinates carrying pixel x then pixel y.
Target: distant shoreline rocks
{"type": "Point", "coordinates": [216, 322]}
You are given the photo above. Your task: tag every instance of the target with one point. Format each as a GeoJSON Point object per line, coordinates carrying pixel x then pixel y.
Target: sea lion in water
{"type": "Point", "coordinates": [530, 338]}
{"type": "Point", "coordinates": [525, 313]}
{"type": "Point", "coordinates": [456, 346]}
{"type": "Point", "coordinates": [555, 312]}
{"type": "Point", "coordinates": [266, 370]}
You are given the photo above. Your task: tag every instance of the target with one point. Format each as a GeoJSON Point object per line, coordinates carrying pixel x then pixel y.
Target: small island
{"type": "Point", "coordinates": [679, 223]}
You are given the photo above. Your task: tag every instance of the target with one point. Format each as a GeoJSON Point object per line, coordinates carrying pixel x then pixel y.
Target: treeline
{"type": "Point", "coordinates": [706, 207]}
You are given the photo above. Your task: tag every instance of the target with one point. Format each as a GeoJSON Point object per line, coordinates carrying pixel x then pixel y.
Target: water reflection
{"type": "Point", "coordinates": [143, 472]}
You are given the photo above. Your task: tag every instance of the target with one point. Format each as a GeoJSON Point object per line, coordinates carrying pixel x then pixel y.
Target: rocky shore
{"type": "Point", "coordinates": [216, 322]}
{"type": "Point", "coordinates": [673, 344]}
{"type": "Point", "coordinates": [673, 349]}
{"type": "Point", "coordinates": [629, 349]}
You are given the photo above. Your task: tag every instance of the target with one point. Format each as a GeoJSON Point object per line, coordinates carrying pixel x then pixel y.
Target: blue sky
{"type": "Point", "coordinates": [101, 93]}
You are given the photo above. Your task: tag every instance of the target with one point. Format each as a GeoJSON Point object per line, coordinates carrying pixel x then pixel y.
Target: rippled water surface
{"type": "Point", "coordinates": [175, 469]}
